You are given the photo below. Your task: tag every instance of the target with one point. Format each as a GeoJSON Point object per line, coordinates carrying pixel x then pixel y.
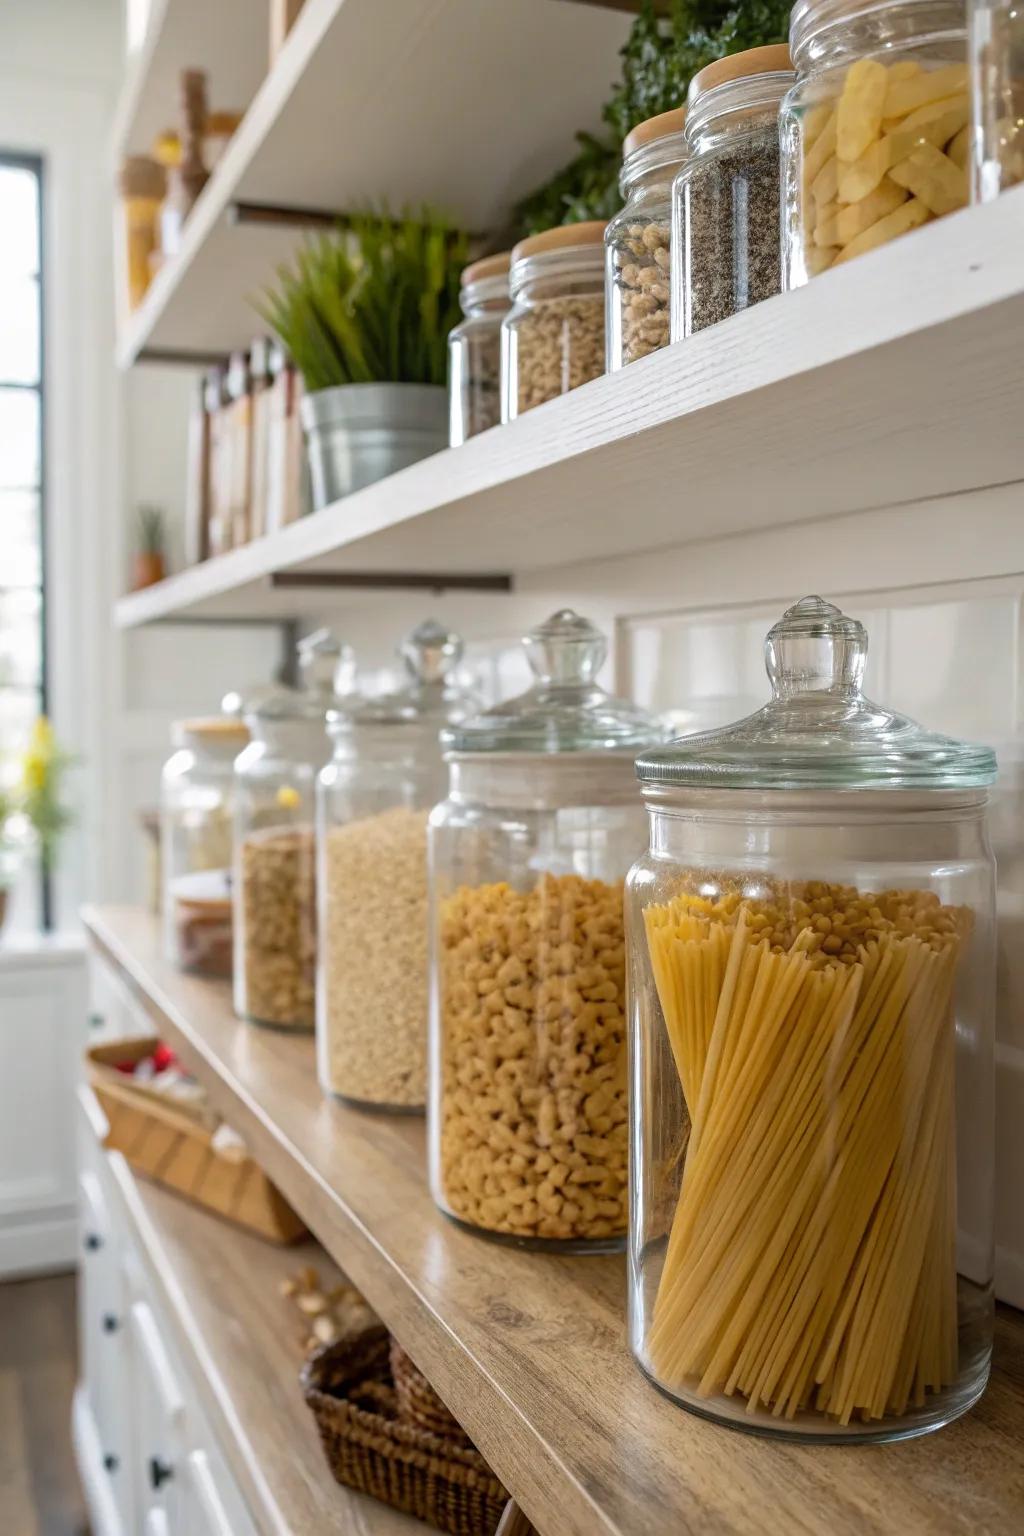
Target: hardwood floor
{"type": "Point", "coordinates": [39, 1491]}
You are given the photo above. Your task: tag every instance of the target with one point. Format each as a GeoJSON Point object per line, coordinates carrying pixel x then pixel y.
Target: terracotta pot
{"type": "Point", "coordinates": [147, 568]}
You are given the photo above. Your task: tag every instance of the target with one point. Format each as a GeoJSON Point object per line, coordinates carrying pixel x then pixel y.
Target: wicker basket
{"type": "Point", "coordinates": [443, 1481]}
{"type": "Point", "coordinates": [171, 1144]}
{"type": "Point", "coordinates": [418, 1403]}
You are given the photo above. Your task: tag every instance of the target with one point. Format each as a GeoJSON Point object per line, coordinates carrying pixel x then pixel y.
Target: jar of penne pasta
{"type": "Point", "coordinates": [876, 131]}
{"type": "Point", "coordinates": [811, 976]}
{"type": "Point", "coordinates": [527, 1116]}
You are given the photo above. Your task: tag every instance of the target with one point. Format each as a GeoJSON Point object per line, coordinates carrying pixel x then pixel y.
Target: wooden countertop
{"type": "Point", "coordinates": [528, 1349]}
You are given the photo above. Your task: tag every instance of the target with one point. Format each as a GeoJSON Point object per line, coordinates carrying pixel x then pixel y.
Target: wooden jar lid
{"type": "Point", "coordinates": [565, 237]}
{"type": "Point", "coordinates": [768, 60]}
{"type": "Point", "coordinates": [654, 128]}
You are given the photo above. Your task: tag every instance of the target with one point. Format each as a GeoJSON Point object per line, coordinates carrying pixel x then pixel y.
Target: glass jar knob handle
{"type": "Point", "coordinates": [431, 651]}
{"type": "Point", "coordinates": [815, 648]}
{"type": "Point", "coordinates": [566, 650]}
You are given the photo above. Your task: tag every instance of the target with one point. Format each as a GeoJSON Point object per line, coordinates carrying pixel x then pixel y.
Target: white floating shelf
{"type": "Point", "coordinates": [894, 379]}
{"type": "Point", "coordinates": [463, 105]}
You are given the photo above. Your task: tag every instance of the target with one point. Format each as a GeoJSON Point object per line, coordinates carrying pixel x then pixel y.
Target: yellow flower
{"type": "Point", "coordinates": [38, 757]}
{"type": "Point", "coordinates": [42, 743]}
{"type": "Point", "coordinates": [34, 772]}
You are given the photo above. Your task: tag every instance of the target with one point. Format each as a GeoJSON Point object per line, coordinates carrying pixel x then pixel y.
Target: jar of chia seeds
{"type": "Point", "coordinates": [638, 240]}
{"type": "Point", "coordinates": [474, 350]}
{"type": "Point", "coordinates": [876, 131]}
{"type": "Point", "coordinates": [725, 200]}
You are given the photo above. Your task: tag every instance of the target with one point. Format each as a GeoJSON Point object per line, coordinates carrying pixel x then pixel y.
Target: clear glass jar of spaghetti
{"type": "Point", "coordinates": [552, 338]}
{"type": "Point", "coordinates": [812, 975]}
{"type": "Point", "coordinates": [474, 350]}
{"type": "Point", "coordinates": [875, 133]}
{"type": "Point", "coordinates": [996, 29]}
{"type": "Point", "coordinates": [527, 1116]}
{"type": "Point", "coordinates": [373, 799]}
{"type": "Point", "coordinates": [638, 241]}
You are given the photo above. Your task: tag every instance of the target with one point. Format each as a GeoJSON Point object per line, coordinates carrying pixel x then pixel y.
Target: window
{"type": "Point", "coordinates": [22, 579]}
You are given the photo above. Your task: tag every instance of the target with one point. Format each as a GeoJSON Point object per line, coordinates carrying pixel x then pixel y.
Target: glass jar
{"type": "Point", "coordinates": [996, 34]}
{"type": "Point", "coordinates": [196, 797]}
{"type": "Point", "coordinates": [274, 843]}
{"type": "Point", "coordinates": [875, 133]}
{"type": "Point", "coordinates": [527, 1129]}
{"type": "Point", "coordinates": [552, 339]}
{"type": "Point", "coordinates": [638, 241]}
{"type": "Point", "coordinates": [373, 799]}
{"type": "Point", "coordinates": [474, 350]}
{"type": "Point", "coordinates": [811, 974]}
{"type": "Point", "coordinates": [725, 200]}
{"type": "Point", "coordinates": [143, 185]}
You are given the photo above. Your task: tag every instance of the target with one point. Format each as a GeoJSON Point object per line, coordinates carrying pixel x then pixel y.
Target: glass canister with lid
{"type": "Point", "coordinates": [474, 350]}
{"type": "Point", "coordinates": [196, 799]}
{"type": "Point", "coordinates": [274, 845]}
{"type": "Point", "coordinates": [811, 974]}
{"type": "Point", "coordinates": [373, 799]}
{"type": "Point", "coordinates": [552, 339]}
{"type": "Point", "coordinates": [638, 241]}
{"type": "Point", "coordinates": [996, 34]}
{"type": "Point", "coordinates": [875, 133]}
{"type": "Point", "coordinates": [725, 200]}
{"type": "Point", "coordinates": [527, 1131]}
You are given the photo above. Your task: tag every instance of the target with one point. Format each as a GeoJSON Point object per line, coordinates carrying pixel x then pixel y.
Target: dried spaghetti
{"type": "Point", "coordinates": [811, 1258]}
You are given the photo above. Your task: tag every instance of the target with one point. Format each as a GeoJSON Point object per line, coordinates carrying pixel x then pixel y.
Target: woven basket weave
{"type": "Point", "coordinates": [418, 1403]}
{"type": "Point", "coordinates": [443, 1481]}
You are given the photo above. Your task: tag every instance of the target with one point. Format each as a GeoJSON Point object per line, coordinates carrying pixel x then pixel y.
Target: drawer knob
{"type": "Point", "coordinates": [159, 1473]}
{"type": "Point", "coordinates": [92, 1241]}
{"type": "Point", "coordinates": [111, 1322]}
{"type": "Point", "coordinates": [110, 1462]}
{"type": "Point", "coordinates": [96, 1021]}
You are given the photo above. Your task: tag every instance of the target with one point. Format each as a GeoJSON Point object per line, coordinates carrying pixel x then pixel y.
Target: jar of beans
{"type": "Point", "coordinates": [812, 975]}
{"type": "Point", "coordinates": [274, 848]}
{"type": "Point", "coordinates": [474, 350]}
{"type": "Point", "coordinates": [725, 200]}
{"type": "Point", "coordinates": [552, 339]}
{"type": "Point", "coordinates": [876, 131]}
{"type": "Point", "coordinates": [373, 799]}
{"type": "Point", "coordinates": [638, 241]}
{"type": "Point", "coordinates": [527, 1112]}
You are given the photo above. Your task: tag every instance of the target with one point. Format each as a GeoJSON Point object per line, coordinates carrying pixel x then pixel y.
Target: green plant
{"type": "Point", "coordinates": [371, 302]}
{"type": "Point", "coordinates": [151, 530]}
{"type": "Point", "coordinates": [659, 58]}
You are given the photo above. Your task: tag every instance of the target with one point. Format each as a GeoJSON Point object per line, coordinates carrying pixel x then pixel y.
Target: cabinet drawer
{"type": "Point", "coordinates": [215, 1506]}
{"type": "Point", "coordinates": [159, 1419]}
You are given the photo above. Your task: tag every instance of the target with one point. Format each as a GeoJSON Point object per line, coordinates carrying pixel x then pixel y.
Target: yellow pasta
{"type": "Point", "coordinates": [810, 1264]}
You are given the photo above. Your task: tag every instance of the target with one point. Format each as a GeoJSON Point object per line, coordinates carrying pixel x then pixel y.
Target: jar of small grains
{"type": "Point", "coordinates": [725, 200]}
{"type": "Point", "coordinates": [812, 968]}
{"type": "Point", "coordinates": [552, 339]}
{"type": "Point", "coordinates": [373, 798]}
{"type": "Point", "coordinates": [527, 1117]}
{"type": "Point", "coordinates": [474, 350]}
{"type": "Point", "coordinates": [638, 241]}
{"type": "Point", "coordinates": [876, 131]}
{"type": "Point", "coordinates": [274, 883]}
{"type": "Point", "coordinates": [196, 822]}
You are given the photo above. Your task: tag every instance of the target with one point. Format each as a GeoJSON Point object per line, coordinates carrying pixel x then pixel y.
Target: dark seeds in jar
{"type": "Point", "coordinates": [732, 232]}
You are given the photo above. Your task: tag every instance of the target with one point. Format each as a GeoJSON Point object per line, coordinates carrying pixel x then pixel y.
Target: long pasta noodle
{"type": "Point", "coordinates": [810, 1263]}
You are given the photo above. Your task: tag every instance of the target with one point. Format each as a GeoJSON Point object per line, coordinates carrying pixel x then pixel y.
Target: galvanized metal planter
{"type": "Point", "coordinates": [358, 433]}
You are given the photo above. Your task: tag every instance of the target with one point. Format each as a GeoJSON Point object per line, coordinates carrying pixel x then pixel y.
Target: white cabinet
{"type": "Point", "coordinates": [149, 1461]}
{"type": "Point", "coordinates": [42, 1027]}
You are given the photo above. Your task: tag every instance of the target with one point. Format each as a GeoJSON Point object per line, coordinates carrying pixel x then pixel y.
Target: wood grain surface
{"type": "Point", "coordinates": [528, 1349]}
{"type": "Point", "coordinates": [242, 1339]}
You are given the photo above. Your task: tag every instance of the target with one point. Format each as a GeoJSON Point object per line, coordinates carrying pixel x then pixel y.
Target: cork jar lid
{"type": "Point", "coordinates": [142, 176]}
{"type": "Point", "coordinates": [772, 59]}
{"type": "Point", "coordinates": [486, 268]}
{"type": "Point", "coordinates": [659, 127]}
{"type": "Point", "coordinates": [566, 237]}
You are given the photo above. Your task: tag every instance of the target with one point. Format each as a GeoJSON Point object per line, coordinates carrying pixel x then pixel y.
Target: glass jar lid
{"type": "Point", "coordinates": [655, 144]}
{"type": "Point", "coordinates": [565, 251]}
{"type": "Point", "coordinates": [433, 692]}
{"type": "Point", "coordinates": [819, 731]}
{"type": "Point", "coordinates": [218, 735]}
{"type": "Point", "coordinates": [565, 710]}
{"type": "Point", "coordinates": [326, 670]}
